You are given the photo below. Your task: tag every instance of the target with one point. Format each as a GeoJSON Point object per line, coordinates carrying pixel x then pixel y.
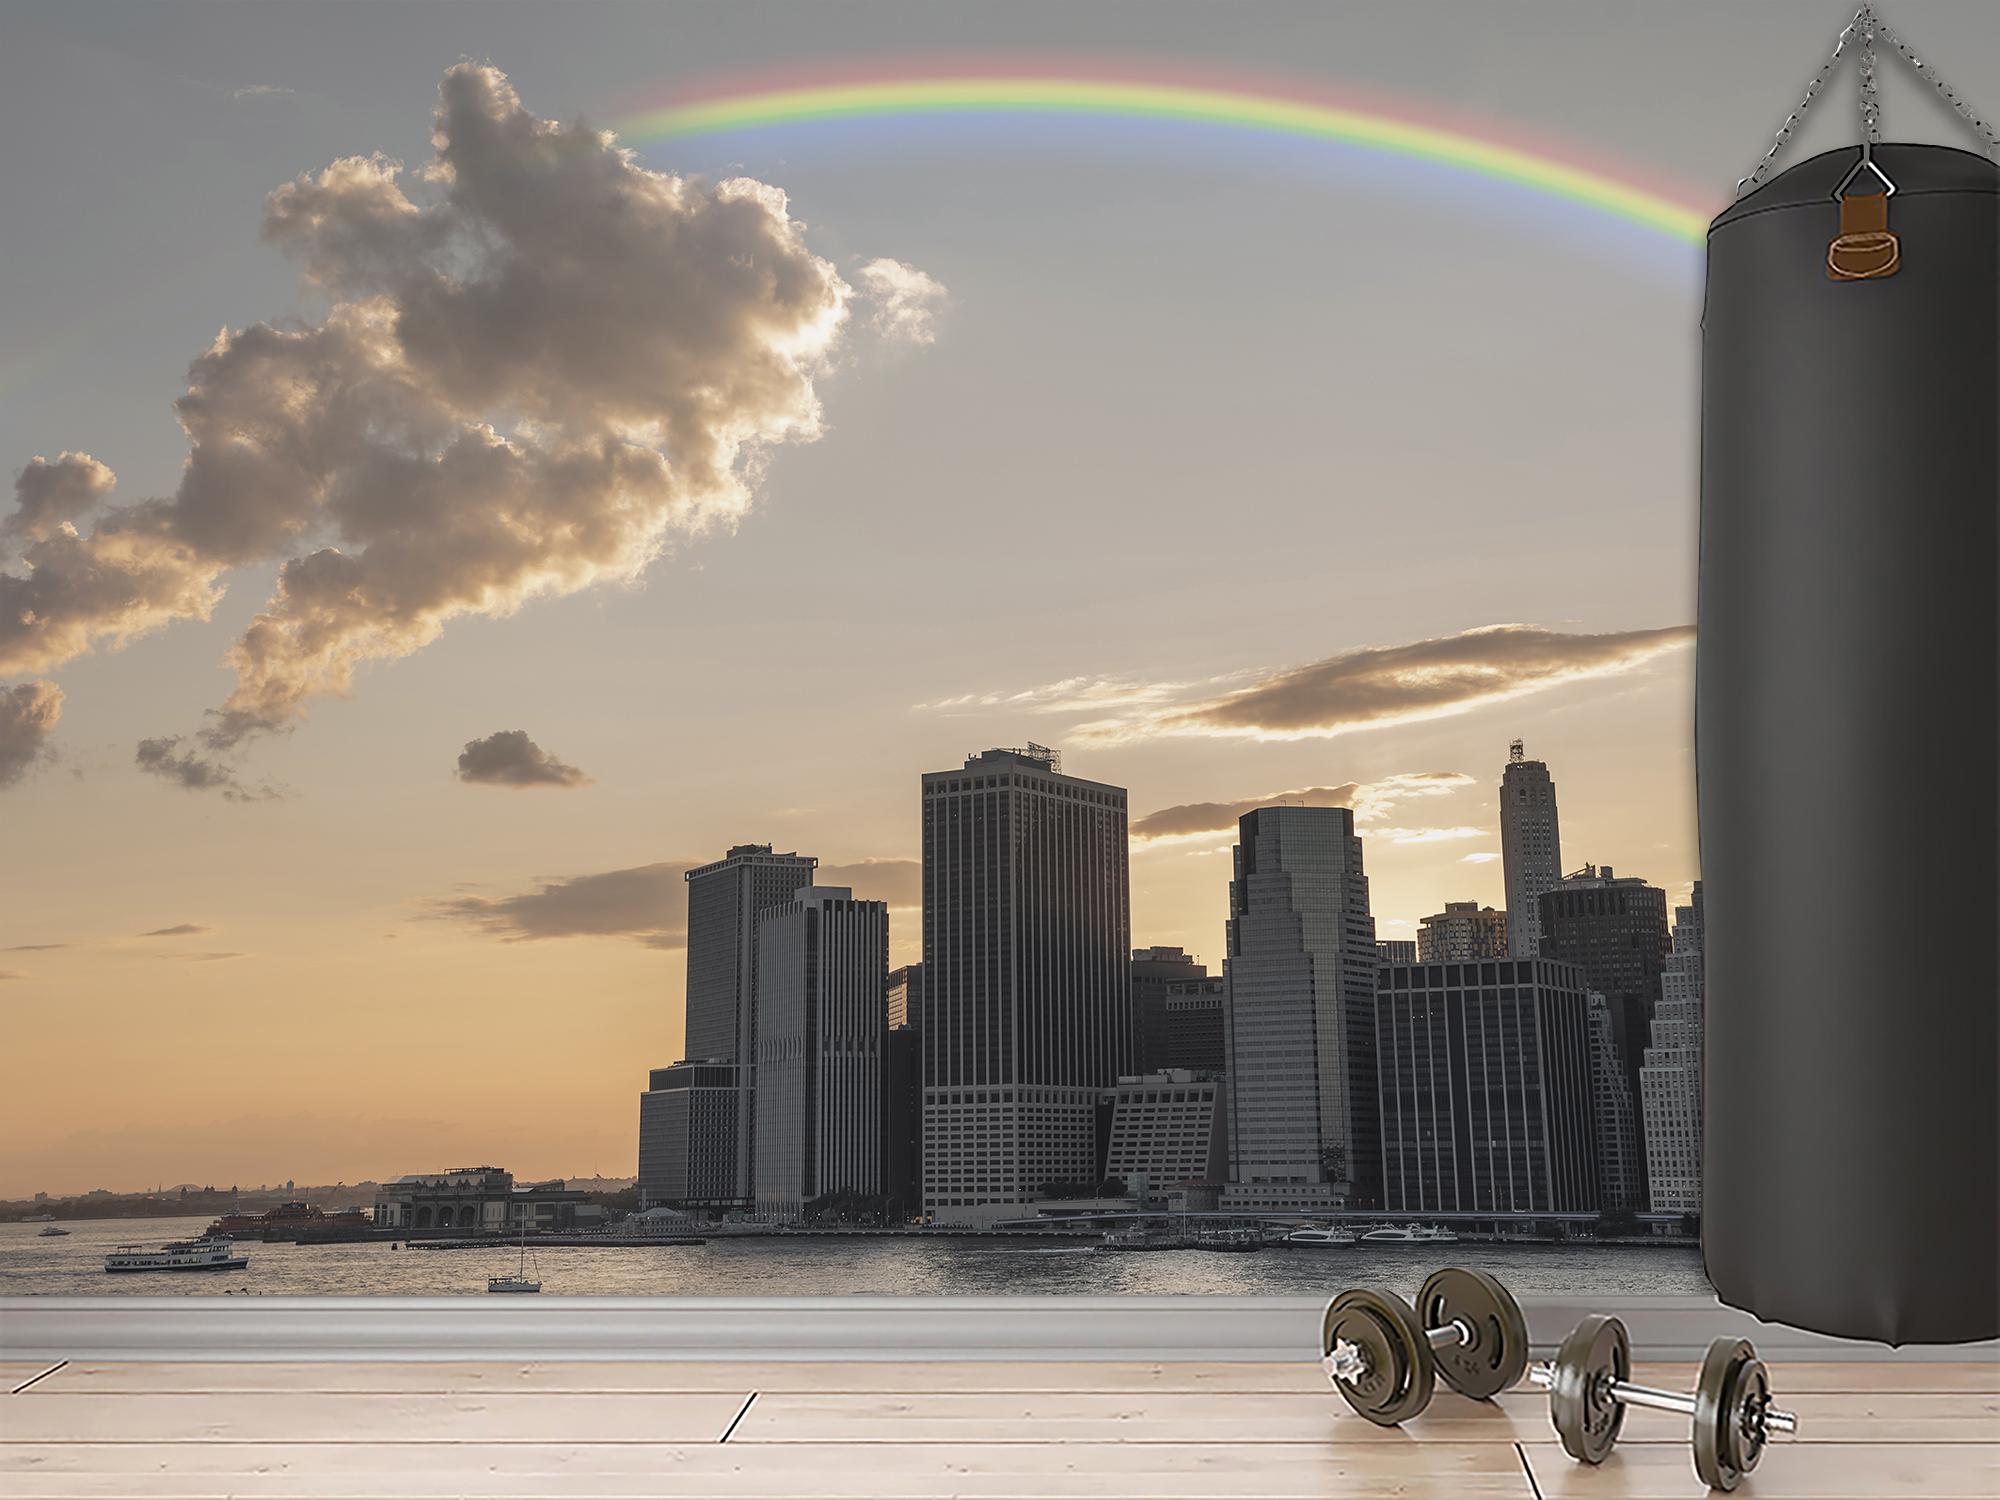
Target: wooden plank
{"type": "Point", "coordinates": [882, 1471]}
{"type": "Point", "coordinates": [1153, 1417]}
{"type": "Point", "coordinates": [16, 1373]}
{"type": "Point", "coordinates": [1828, 1471]}
{"type": "Point", "coordinates": [1849, 1375]}
{"type": "Point", "coordinates": [667, 1375]}
{"type": "Point", "coordinates": [349, 1417]}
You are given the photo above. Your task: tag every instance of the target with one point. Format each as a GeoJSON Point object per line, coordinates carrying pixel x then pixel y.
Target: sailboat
{"type": "Point", "coordinates": [520, 1280]}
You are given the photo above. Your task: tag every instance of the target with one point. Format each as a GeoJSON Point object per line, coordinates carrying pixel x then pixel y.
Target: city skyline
{"type": "Point", "coordinates": [1076, 467]}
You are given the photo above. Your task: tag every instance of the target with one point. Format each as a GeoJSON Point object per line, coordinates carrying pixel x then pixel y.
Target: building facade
{"type": "Point", "coordinates": [1620, 1165]}
{"type": "Point", "coordinates": [1167, 1131]}
{"type": "Point", "coordinates": [689, 1122]}
{"type": "Point", "coordinates": [482, 1200]}
{"type": "Point", "coordinates": [1670, 1080]}
{"type": "Point", "coordinates": [1027, 983]}
{"type": "Point", "coordinates": [725, 899]}
{"type": "Point", "coordinates": [905, 1107]}
{"type": "Point", "coordinates": [1396, 950]}
{"type": "Point", "coordinates": [1176, 1012]}
{"type": "Point", "coordinates": [1530, 847]}
{"type": "Point", "coordinates": [1463, 930]}
{"type": "Point", "coordinates": [1299, 1016]}
{"type": "Point", "coordinates": [1486, 1088]}
{"type": "Point", "coordinates": [1614, 928]}
{"type": "Point", "coordinates": [822, 1050]}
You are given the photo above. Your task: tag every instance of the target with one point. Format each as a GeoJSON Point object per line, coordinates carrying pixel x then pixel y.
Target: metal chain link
{"type": "Point", "coordinates": [1868, 26]}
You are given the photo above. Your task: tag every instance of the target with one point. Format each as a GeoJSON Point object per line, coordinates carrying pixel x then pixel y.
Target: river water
{"type": "Point", "coordinates": [74, 1266]}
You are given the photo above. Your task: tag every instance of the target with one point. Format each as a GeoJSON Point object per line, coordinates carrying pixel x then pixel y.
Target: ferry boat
{"type": "Point", "coordinates": [50, 1231]}
{"type": "Point", "coordinates": [287, 1221]}
{"type": "Point", "coordinates": [1322, 1239]}
{"type": "Point", "coordinates": [1409, 1234]}
{"type": "Point", "coordinates": [209, 1253]}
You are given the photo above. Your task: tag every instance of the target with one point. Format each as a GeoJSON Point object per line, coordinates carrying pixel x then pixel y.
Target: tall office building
{"type": "Point", "coordinates": [822, 1044]}
{"type": "Point", "coordinates": [1614, 928]}
{"type": "Point", "coordinates": [1396, 950]}
{"type": "Point", "coordinates": [1167, 1130]}
{"type": "Point", "coordinates": [1463, 930]}
{"type": "Point", "coordinates": [725, 900]}
{"type": "Point", "coordinates": [1670, 1080]}
{"type": "Point", "coordinates": [688, 1126]}
{"type": "Point", "coordinates": [1176, 1012]}
{"type": "Point", "coordinates": [1486, 1088]}
{"type": "Point", "coordinates": [1027, 982]}
{"type": "Point", "coordinates": [904, 1187]}
{"type": "Point", "coordinates": [1530, 847]}
{"type": "Point", "coordinates": [1620, 1164]}
{"type": "Point", "coordinates": [1299, 1014]}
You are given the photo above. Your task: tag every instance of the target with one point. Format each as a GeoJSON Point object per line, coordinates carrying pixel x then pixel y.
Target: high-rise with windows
{"type": "Point", "coordinates": [1027, 976]}
{"type": "Point", "coordinates": [725, 900]}
{"type": "Point", "coordinates": [1299, 1014]}
{"type": "Point", "coordinates": [1670, 1080]}
{"type": "Point", "coordinates": [1464, 929]}
{"type": "Point", "coordinates": [822, 1045]}
{"type": "Point", "coordinates": [1176, 1012]}
{"type": "Point", "coordinates": [1530, 847]}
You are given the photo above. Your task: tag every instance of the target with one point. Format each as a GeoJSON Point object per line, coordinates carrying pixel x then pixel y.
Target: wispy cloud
{"type": "Point", "coordinates": [194, 772]}
{"type": "Point", "coordinates": [1368, 688]}
{"type": "Point", "coordinates": [28, 716]}
{"type": "Point", "coordinates": [261, 91]}
{"type": "Point", "coordinates": [11, 974]}
{"type": "Point", "coordinates": [645, 903]}
{"type": "Point", "coordinates": [903, 302]}
{"type": "Point", "coordinates": [1479, 857]}
{"type": "Point", "coordinates": [211, 958]}
{"type": "Point", "coordinates": [900, 882]}
{"type": "Point", "coordinates": [1371, 802]}
{"type": "Point", "coordinates": [34, 948]}
{"type": "Point", "coordinates": [179, 929]}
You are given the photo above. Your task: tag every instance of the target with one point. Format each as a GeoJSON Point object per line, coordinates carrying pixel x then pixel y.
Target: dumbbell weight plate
{"type": "Point", "coordinates": [1398, 1381]}
{"type": "Point", "coordinates": [1733, 1381]}
{"type": "Point", "coordinates": [1497, 1357]}
{"type": "Point", "coordinates": [1587, 1420]}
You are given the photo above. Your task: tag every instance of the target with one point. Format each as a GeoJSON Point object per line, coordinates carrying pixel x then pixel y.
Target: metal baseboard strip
{"type": "Point", "coordinates": [1214, 1329]}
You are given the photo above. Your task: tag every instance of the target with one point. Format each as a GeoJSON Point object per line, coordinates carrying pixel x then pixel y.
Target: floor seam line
{"type": "Point", "coordinates": [59, 1364]}
{"type": "Point", "coordinates": [740, 1415]}
{"type": "Point", "coordinates": [1528, 1470]}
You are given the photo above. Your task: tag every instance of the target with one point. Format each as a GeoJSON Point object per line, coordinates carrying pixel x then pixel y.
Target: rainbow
{"type": "Point", "coordinates": [1272, 109]}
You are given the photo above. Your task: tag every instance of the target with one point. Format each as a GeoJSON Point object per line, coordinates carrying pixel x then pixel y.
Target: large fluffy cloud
{"type": "Point", "coordinates": [508, 757]}
{"type": "Point", "coordinates": [541, 364]}
{"type": "Point", "coordinates": [27, 714]}
{"type": "Point", "coordinates": [48, 494]}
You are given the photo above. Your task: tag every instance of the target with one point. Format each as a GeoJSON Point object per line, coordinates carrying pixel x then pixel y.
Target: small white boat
{"type": "Point", "coordinates": [50, 1232]}
{"type": "Point", "coordinates": [520, 1281]}
{"type": "Point", "coordinates": [1320, 1238]}
{"type": "Point", "coordinates": [206, 1254]}
{"type": "Point", "coordinates": [1409, 1234]}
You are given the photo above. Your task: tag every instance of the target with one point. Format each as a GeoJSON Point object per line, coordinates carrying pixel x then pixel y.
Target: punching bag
{"type": "Point", "coordinates": [1847, 730]}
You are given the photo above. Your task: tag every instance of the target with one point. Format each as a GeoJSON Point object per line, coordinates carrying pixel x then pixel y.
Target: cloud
{"type": "Point", "coordinates": [194, 772]}
{"type": "Point", "coordinates": [260, 91]}
{"type": "Point", "coordinates": [48, 495]}
{"type": "Point", "coordinates": [28, 715]}
{"type": "Point", "coordinates": [1070, 696]}
{"type": "Point", "coordinates": [903, 301]}
{"type": "Point", "coordinates": [646, 903]}
{"type": "Point", "coordinates": [210, 958]}
{"type": "Point", "coordinates": [6, 974]}
{"type": "Point", "coordinates": [34, 948]}
{"type": "Point", "coordinates": [1370, 801]}
{"type": "Point", "coordinates": [183, 929]}
{"type": "Point", "coordinates": [509, 758]}
{"type": "Point", "coordinates": [542, 366]}
{"type": "Point", "coordinates": [900, 882]}
{"type": "Point", "coordinates": [1380, 685]}
{"type": "Point", "coordinates": [1480, 857]}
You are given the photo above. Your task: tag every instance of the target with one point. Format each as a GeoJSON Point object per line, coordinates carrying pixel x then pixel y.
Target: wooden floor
{"type": "Point", "coordinates": [1048, 1431]}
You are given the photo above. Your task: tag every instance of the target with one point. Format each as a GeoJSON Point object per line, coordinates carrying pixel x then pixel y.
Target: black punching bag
{"type": "Point", "coordinates": [1847, 726]}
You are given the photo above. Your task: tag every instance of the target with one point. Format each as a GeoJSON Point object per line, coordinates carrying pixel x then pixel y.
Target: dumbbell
{"type": "Point", "coordinates": [1589, 1386]}
{"type": "Point", "coordinates": [1384, 1356]}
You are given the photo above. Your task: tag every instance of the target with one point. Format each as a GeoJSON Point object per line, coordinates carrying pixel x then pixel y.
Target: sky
{"type": "Point", "coordinates": [436, 525]}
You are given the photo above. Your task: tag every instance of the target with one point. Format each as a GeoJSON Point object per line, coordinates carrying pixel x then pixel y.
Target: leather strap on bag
{"type": "Point", "coordinates": [1866, 249]}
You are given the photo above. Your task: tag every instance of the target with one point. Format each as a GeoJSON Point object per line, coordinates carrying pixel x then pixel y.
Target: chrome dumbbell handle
{"type": "Point", "coordinates": [1628, 1394]}
{"type": "Point", "coordinates": [1348, 1361]}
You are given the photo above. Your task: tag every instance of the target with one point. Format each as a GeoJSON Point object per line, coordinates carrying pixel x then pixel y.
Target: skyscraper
{"type": "Point", "coordinates": [724, 901]}
{"type": "Point", "coordinates": [1486, 1088]}
{"type": "Point", "coordinates": [1176, 1012]}
{"type": "Point", "coordinates": [688, 1125]}
{"type": "Point", "coordinates": [1620, 1166]}
{"type": "Point", "coordinates": [1299, 1016]}
{"type": "Point", "coordinates": [822, 1043]}
{"type": "Point", "coordinates": [1464, 929]}
{"type": "Point", "coordinates": [1027, 984]}
{"type": "Point", "coordinates": [905, 1111]}
{"type": "Point", "coordinates": [1530, 847]}
{"type": "Point", "coordinates": [1670, 1079]}
{"type": "Point", "coordinates": [1614, 928]}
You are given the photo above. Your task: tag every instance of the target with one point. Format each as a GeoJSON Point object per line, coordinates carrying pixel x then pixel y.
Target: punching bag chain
{"type": "Point", "coordinates": [1864, 29]}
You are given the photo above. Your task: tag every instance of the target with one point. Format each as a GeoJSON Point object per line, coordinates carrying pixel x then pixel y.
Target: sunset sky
{"type": "Point", "coordinates": [539, 521]}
